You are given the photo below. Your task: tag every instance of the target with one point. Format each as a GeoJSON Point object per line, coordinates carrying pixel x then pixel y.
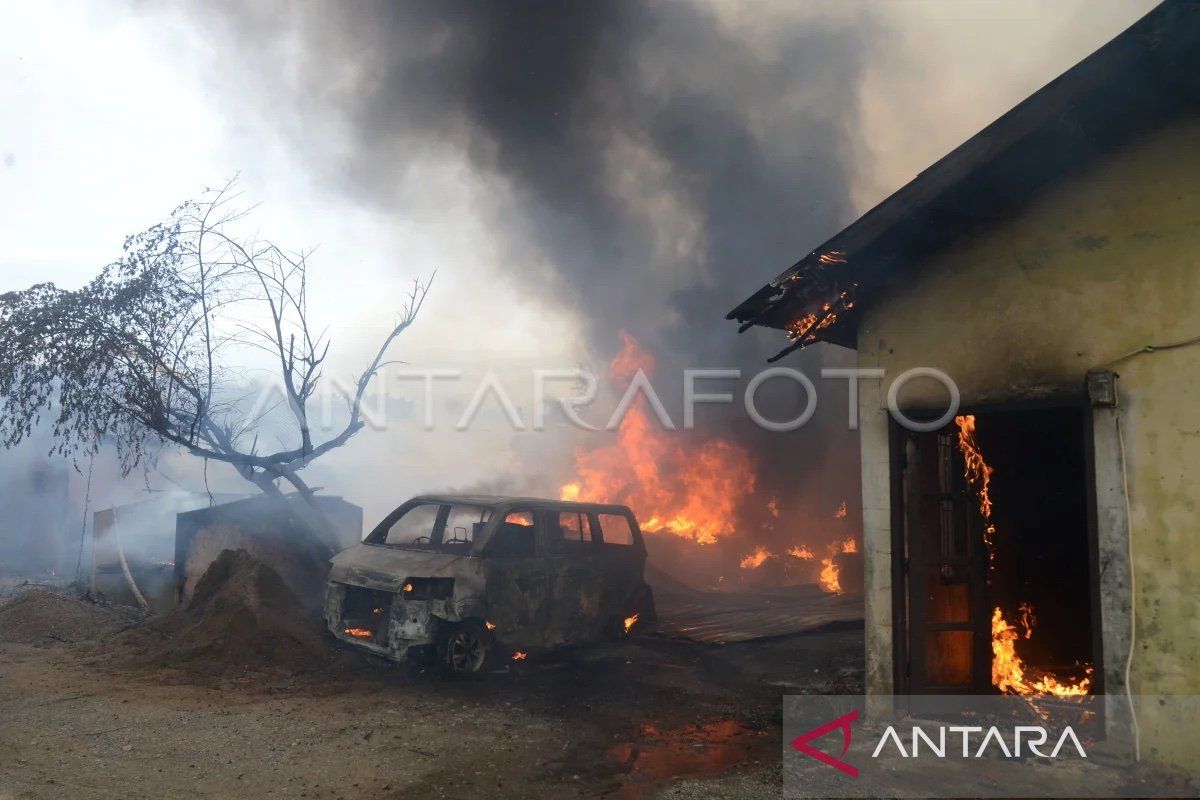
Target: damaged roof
{"type": "Point", "coordinates": [1143, 77]}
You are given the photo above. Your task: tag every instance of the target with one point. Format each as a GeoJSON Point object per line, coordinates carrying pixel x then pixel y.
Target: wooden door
{"type": "Point", "coordinates": [947, 625]}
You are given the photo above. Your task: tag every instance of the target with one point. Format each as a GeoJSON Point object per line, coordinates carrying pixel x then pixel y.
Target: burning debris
{"type": "Point", "coordinates": [804, 330]}
{"type": "Point", "coordinates": [672, 482]}
{"type": "Point", "coordinates": [830, 577]}
{"type": "Point", "coordinates": [756, 559]}
{"type": "Point", "coordinates": [801, 552]}
{"type": "Point", "coordinates": [1009, 671]}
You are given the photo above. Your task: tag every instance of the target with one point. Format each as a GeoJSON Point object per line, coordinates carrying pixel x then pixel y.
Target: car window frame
{"type": "Point", "coordinates": [445, 521]}
{"type": "Point", "coordinates": [378, 535]}
{"type": "Point", "coordinates": [575, 543]}
{"type": "Point", "coordinates": [497, 520]}
{"type": "Point", "coordinates": [634, 532]}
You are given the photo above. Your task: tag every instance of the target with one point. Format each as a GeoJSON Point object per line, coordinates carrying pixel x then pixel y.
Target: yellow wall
{"type": "Point", "coordinates": [1100, 264]}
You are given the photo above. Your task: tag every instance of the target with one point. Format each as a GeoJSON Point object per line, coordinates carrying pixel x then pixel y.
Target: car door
{"type": "Point", "coordinates": [621, 560]}
{"type": "Point", "coordinates": [518, 590]}
{"type": "Point", "coordinates": [575, 581]}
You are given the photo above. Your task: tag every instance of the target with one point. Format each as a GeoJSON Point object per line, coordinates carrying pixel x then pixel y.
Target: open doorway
{"type": "Point", "coordinates": [996, 586]}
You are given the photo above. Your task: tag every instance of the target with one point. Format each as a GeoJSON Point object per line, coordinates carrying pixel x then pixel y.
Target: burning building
{"type": "Point", "coordinates": [1034, 540]}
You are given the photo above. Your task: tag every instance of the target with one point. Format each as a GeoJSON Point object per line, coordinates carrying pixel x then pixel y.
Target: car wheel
{"type": "Point", "coordinates": [465, 648]}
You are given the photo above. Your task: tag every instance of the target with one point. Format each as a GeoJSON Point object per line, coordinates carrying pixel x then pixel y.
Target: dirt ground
{"type": "Point", "coordinates": [645, 718]}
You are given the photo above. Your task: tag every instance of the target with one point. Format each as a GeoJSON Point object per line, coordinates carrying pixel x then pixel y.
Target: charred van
{"type": "Point", "coordinates": [472, 579]}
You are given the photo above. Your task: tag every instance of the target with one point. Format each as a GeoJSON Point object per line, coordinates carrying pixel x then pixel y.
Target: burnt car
{"type": "Point", "coordinates": [471, 580]}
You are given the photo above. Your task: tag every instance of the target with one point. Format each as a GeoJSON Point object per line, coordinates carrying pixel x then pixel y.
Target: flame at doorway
{"type": "Point", "coordinates": [1010, 673]}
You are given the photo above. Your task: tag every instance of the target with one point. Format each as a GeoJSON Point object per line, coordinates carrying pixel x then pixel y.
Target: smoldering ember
{"type": "Point", "coordinates": [428, 399]}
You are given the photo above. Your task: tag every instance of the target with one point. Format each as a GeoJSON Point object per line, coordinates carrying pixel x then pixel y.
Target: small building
{"type": "Point", "coordinates": [133, 547]}
{"type": "Point", "coordinates": [279, 531]}
{"type": "Point", "coordinates": [1050, 268]}
{"type": "Point", "coordinates": [154, 551]}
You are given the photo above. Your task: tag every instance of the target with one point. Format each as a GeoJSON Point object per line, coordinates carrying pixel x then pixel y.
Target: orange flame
{"type": "Point", "coordinates": [802, 552]}
{"type": "Point", "coordinates": [491, 626]}
{"type": "Point", "coordinates": [829, 578]}
{"type": "Point", "coordinates": [841, 512]}
{"type": "Point", "coordinates": [1009, 672]}
{"type": "Point", "coordinates": [519, 655]}
{"type": "Point", "coordinates": [630, 622]}
{"type": "Point", "coordinates": [688, 488]}
{"type": "Point", "coordinates": [808, 326]}
{"type": "Point", "coordinates": [756, 559]}
{"type": "Point", "coordinates": [359, 633]}
{"type": "Point", "coordinates": [979, 476]}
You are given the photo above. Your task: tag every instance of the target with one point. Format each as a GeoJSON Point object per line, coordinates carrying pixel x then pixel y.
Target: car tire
{"type": "Point", "coordinates": [464, 648]}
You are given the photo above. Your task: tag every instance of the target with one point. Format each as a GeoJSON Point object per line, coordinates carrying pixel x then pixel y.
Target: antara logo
{"type": "Point", "coordinates": [1035, 737]}
{"type": "Point", "coordinates": [801, 743]}
{"type": "Point", "coordinates": [1031, 736]}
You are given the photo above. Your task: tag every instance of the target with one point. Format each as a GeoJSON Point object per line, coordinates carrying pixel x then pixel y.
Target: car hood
{"type": "Point", "coordinates": [386, 568]}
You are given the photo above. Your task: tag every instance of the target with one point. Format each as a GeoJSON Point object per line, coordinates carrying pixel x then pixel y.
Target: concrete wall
{"type": "Point", "coordinates": [1099, 265]}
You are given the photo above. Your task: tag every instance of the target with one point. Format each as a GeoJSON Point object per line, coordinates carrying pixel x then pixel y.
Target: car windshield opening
{"type": "Point", "coordinates": [438, 526]}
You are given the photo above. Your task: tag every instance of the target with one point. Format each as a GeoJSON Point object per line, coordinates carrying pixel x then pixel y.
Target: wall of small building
{"type": "Point", "coordinates": [1099, 265]}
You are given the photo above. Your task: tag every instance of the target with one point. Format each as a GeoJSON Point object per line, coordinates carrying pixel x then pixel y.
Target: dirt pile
{"type": "Point", "coordinates": [41, 617]}
{"type": "Point", "coordinates": [241, 618]}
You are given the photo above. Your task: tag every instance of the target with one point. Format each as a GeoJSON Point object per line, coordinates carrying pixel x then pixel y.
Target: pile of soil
{"type": "Point", "coordinates": [241, 618]}
{"type": "Point", "coordinates": [45, 618]}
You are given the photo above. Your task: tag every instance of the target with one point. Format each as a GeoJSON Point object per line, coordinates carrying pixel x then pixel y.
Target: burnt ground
{"type": "Point", "coordinates": [644, 718]}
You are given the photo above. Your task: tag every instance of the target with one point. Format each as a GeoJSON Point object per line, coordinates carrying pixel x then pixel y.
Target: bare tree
{"type": "Point", "coordinates": [146, 354]}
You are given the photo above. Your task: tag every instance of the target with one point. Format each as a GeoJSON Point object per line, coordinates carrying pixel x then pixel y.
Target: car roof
{"type": "Point", "coordinates": [495, 501]}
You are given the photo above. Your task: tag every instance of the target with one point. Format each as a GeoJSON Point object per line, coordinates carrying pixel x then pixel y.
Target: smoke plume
{"type": "Point", "coordinates": [654, 162]}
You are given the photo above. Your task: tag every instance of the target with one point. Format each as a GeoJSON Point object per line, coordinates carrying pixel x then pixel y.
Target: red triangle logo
{"type": "Point", "coordinates": [801, 743]}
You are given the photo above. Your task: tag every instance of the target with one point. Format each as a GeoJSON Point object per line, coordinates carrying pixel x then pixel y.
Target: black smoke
{"type": "Point", "coordinates": [662, 160]}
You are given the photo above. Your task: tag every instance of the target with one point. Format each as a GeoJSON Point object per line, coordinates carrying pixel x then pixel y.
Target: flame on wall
{"type": "Point", "coordinates": [1009, 672]}
{"type": "Point", "coordinates": [671, 481]}
{"type": "Point", "coordinates": [979, 477]}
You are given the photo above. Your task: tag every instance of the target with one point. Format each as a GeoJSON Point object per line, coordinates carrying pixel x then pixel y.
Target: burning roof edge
{"type": "Point", "coordinates": [1144, 76]}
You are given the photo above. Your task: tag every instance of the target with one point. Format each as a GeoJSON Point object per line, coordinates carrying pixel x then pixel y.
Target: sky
{"type": "Point", "coordinates": [631, 165]}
